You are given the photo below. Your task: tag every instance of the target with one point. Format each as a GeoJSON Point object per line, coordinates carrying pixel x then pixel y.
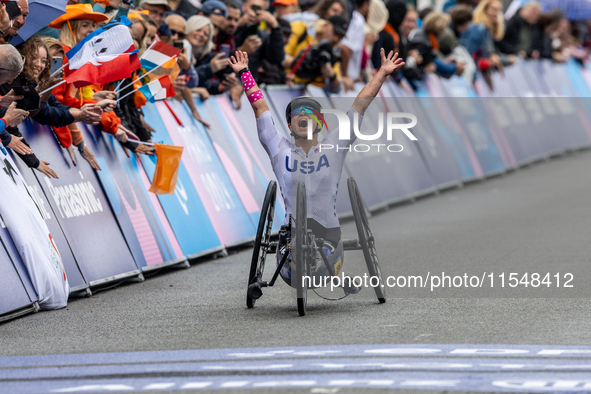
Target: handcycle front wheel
{"type": "Point", "coordinates": [262, 241]}
{"type": "Point", "coordinates": [366, 238]}
{"type": "Point", "coordinates": [302, 251]}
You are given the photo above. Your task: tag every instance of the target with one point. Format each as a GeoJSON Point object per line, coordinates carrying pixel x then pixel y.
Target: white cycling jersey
{"type": "Point", "coordinates": [320, 169]}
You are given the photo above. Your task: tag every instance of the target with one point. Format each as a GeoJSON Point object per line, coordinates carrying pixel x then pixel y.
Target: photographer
{"type": "Point", "coordinates": [318, 63]}
{"type": "Point", "coordinates": [253, 38]}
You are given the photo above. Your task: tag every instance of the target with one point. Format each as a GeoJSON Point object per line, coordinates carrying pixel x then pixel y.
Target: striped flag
{"type": "Point", "coordinates": [158, 54]}
{"type": "Point", "coordinates": [110, 40]}
{"type": "Point", "coordinates": [104, 69]}
{"type": "Point", "coordinates": [158, 89]}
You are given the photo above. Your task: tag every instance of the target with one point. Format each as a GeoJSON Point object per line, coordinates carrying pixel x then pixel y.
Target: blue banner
{"type": "Point", "coordinates": [185, 211]}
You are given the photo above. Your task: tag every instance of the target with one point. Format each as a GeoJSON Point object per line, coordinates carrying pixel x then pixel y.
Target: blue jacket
{"type": "Point", "coordinates": [477, 40]}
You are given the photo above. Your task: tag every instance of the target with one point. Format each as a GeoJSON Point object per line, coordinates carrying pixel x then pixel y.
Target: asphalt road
{"type": "Point", "coordinates": [535, 220]}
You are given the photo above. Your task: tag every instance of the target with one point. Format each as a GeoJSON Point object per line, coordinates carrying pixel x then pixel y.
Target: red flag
{"type": "Point", "coordinates": [105, 69]}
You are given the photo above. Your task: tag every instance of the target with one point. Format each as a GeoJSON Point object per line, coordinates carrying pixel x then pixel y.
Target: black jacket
{"type": "Point", "coordinates": [271, 49]}
{"type": "Point", "coordinates": [510, 41]}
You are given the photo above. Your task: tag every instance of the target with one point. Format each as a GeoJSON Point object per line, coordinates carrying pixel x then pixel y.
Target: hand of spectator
{"type": "Point", "coordinates": [89, 157]}
{"type": "Point", "coordinates": [179, 83]}
{"type": "Point", "coordinates": [120, 135]}
{"type": "Point", "coordinates": [348, 83]}
{"type": "Point", "coordinates": [4, 19]}
{"type": "Point", "coordinates": [230, 81]}
{"type": "Point", "coordinates": [239, 61]}
{"type": "Point", "coordinates": [197, 116]}
{"type": "Point", "coordinates": [251, 44]}
{"type": "Point", "coordinates": [327, 70]}
{"type": "Point", "coordinates": [148, 128]}
{"type": "Point", "coordinates": [44, 168]}
{"type": "Point", "coordinates": [390, 62]}
{"type": "Point", "coordinates": [248, 18]}
{"type": "Point", "coordinates": [202, 92]}
{"type": "Point", "coordinates": [72, 153]}
{"type": "Point", "coordinates": [9, 98]}
{"type": "Point", "coordinates": [183, 60]}
{"type": "Point", "coordinates": [17, 145]}
{"type": "Point", "coordinates": [495, 60]}
{"type": "Point", "coordinates": [430, 68]}
{"type": "Point", "coordinates": [145, 149]}
{"type": "Point", "coordinates": [218, 62]}
{"type": "Point", "coordinates": [460, 67]}
{"type": "Point", "coordinates": [235, 94]}
{"type": "Point", "coordinates": [289, 79]}
{"type": "Point", "coordinates": [535, 54]}
{"type": "Point", "coordinates": [511, 59]}
{"type": "Point", "coordinates": [104, 95]}
{"type": "Point", "coordinates": [522, 54]}
{"type": "Point", "coordinates": [415, 54]}
{"type": "Point", "coordinates": [107, 105]}
{"type": "Point", "coordinates": [52, 81]}
{"type": "Point", "coordinates": [14, 116]}
{"type": "Point", "coordinates": [266, 16]}
{"type": "Point", "coordinates": [371, 38]}
{"type": "Point", "coordinates": [90, 114]}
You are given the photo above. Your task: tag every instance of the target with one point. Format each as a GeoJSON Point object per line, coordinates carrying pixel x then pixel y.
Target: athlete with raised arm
{"type": "Point", "coordinates": [304, 160]}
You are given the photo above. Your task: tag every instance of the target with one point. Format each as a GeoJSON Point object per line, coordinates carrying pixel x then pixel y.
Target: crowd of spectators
{"type": "Point", "coordinates": [329, 43]}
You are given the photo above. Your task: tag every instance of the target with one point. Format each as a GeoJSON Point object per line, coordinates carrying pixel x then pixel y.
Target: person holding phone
{"type": "Point", "coordinates": [254, 38]}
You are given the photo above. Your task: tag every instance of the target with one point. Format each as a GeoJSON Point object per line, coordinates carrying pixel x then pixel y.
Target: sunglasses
{"type": "Point", "coordinates": [307, 110]}
{"type": "Point", "coordinates": [181, 35]}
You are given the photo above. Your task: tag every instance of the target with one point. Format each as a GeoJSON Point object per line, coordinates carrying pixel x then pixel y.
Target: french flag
{"type": "Point", "coordinates": [110, 40]}
{"type": "Point", "coordinates": [158, 89]}
{"type": "Point", "coordinates": [158, 54]}
{"type": "Point", "coordinates": [105, 69]}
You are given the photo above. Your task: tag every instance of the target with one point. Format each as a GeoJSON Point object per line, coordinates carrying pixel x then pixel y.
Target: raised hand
{"type": "Point", "coordinates": [390, 62]}
{"type": "Point", "coordinates": [238, 61]}
{"type": "Point", "coordinates": [9, 98]}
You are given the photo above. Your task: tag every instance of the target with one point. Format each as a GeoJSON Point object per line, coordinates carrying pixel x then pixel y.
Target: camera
{"type": "Point", "coordinates": [318, 55]}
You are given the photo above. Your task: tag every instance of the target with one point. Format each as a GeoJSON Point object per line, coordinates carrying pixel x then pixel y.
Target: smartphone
{"type": "Point", "coordinates": [225, 49]}
{"type": "Point", "coordinates": [56, 64]}
{"type": "Point", "coordinates": [256, 7]}
{"type": "Point", "coordinates": [179, 45]}
{"type": "Point", "coordinates": [12, 9]}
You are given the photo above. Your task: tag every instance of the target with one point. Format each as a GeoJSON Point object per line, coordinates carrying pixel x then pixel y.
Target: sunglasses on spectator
{"type": "Point", "coordinates": [180, 35]}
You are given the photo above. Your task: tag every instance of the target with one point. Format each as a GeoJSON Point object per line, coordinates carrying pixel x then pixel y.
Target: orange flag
{"type": "Point", "coordinates": [167, 168]}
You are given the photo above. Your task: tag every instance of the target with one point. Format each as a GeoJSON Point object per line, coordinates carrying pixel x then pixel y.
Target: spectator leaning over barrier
{"type": "Point", "coordinates": [226, 35]}
{"type": "Point", "coordinates": [412, 57]}
{"type": "Point", "coordinates": [207, 63]}
{"type": "Point", "coordinates": [11, 65]}
{"type": "Point", "coordinates": [79, 21]}
{"type": "Point", "coordinates": [178, 27]}
{"type": "Point", "coordinates": [253, 36]}
{"type": "Point", "coordinates": [317, 62]}
{"type": "Point", "coordinates": [542, 43]}
{"type": "Point", "coordinates": [520, 31]}
{"type": "Point", "coordinates": [489, 14]}
{"type": "Point", "coordinates": [51, 112]}
{"type": "Point", "coordinates": [353, 44]}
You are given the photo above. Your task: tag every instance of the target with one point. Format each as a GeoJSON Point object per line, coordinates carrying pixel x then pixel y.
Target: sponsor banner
{"type": "Point", "coordinates": [120, 177]}
{"type": "Point", "coordinates": [185, 210]}
{"type": "Point", "coordinates": [557, 87]}
{"type": "Point", "coordinates": [472, 119]}
{"type": "Point", "coordinates": [81, 208]}
{"type": "Point", "coordinates": [445, 123]}
{"type": "Point", "coordinates": [16, 289]}
{"type": "Point", "coordinates": [432, 147]}
{"type": "Point", "coordinates": [75, 278]}
{"type": "Point", "coordinates": [397, 170]}
{"type": "Point", "coordinates": [540, 123]}
{"type": "Point", "coordinates": [214, 174]}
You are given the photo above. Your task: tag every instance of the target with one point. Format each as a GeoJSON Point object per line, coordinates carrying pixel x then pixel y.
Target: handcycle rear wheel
{"type": "Point", "coordinates": [366, 238]}
{"type": "Point", "coordinates": [262, 240]}
{"type": "Point", "coordinates": [301, 248]}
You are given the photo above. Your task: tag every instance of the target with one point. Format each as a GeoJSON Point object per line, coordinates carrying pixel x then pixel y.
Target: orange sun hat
{"type": "Point", "coordinates": [78, 11]}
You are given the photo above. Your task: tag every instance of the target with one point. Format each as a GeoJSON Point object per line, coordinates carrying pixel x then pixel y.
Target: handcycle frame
{"type": "Point", "coordinates": [303, 250]}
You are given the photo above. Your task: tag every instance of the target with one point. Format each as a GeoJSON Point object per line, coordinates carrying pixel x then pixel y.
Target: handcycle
{"type": "Point", "coordinates": [303, 246]}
